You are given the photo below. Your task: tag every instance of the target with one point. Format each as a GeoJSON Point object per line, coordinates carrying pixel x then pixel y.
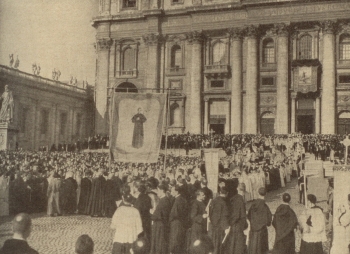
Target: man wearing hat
{"type": "Point", "coordinates": [260, 218]}
{"type": "Point", "coordinates": [21, 227]}
{"type": "Point", "coordinates": [284, 222]}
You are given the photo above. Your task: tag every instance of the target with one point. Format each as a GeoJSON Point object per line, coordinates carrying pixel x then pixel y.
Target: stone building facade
{"type": "Point", "coordinates": [239, 66]}
{"type": "Point", "coordinates": [46, 112]}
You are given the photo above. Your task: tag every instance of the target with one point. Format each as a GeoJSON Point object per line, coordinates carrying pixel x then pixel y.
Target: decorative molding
{"type": "Point", "coordinates": [175, 37]}
{"type": "Point", "coordinates": [328, 26]}
{"type": "Point", "coordinates": [344, 168]}
{"type": "Point", "coordinates": [152, 39]}
{"type": "Point", "coordinates": [264, 110]}
{"type": "Point", "coordinates": [251, 31]}
{"type": "Point", "coordinates": [344, 99]}
{"type": "Point", "coordinates": [195, 37]}
{"type": "Point", "coordinates": [344, 27]}
{"type": "Point", "coordinates": [104, 44]}
{"type": "Point", "coordinates": [235, 33]}
{"type": "Point", "coordinates": [282, 29]}
{"type": "Point", "coordinates": [267, 99]}
{"type": "Point", "coordinates": [293, 95]}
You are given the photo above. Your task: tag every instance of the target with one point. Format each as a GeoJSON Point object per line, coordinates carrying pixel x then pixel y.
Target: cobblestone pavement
{"type": "Point", "coordinates": [58, 234]}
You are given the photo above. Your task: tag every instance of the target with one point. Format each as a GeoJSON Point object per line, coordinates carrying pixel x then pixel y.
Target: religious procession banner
{"type": "Point", "coordinates": [211, 158]}
{"type": "Point", "coordinates": [136, 123]}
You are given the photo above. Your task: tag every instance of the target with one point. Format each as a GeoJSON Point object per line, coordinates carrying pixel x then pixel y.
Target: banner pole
{"type": "Point", "coordinates": [166, 128]}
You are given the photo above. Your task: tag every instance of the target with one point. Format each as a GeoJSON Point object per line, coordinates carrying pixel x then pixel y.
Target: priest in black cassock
{"type": "Point", "coordinates": [198, 217]}
{"type": "Point", "coordinates": [85, 189]}
{"type": "Point", "coordinates": [96, 204]}
{"type": "Point", "coordinates": [236, 242]}
{"type": "Point", "coordinates": [160, 222]}
{"type": "Point", "coordinates": [112, 195]}
{"type": "Point", "coordinates": [284, 222]}
{"type": "Point", "coordinates": [260, 218]}
{"type": "Point", "coordinates": [178, 222]}
{"type": "Point", "coordinates": [69, 194]}
{"type": "Point", "coordinates": [218, 214]}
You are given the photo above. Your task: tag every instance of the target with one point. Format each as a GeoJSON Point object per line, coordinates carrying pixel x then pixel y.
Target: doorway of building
{"type": "Point", "coordinates": [306, 124]}
{"type": "Point", "coordinates": [218, 128]}
{"type": "Point", "coordinates": [267, 123]}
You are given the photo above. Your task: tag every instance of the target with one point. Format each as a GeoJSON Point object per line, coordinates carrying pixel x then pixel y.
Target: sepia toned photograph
{"type": "Point", "coordinates": [175, 127]}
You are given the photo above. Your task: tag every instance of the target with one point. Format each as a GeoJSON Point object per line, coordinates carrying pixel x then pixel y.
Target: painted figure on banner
{"type": "Point", "coordinates": [6, 112]}
{"type": "Point", "coordinates": [138, 120]}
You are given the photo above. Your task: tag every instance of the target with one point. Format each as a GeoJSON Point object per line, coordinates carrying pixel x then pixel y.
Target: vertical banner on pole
{"type": "Point", "coordinates": [211, 158]}
{"type": "Point", "coordinates": [136, 125]}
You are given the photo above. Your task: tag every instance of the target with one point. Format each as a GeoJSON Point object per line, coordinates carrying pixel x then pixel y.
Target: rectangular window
{"type": "Point", "coordinates": [344, 79]}
{"type": "Point", "coordinates": [268, 81]}
{"type": "Point", "coordinates": [44, 127]}
{"type": "Point", "coordinates": [63, 123]}
{"type": "Point", "coordinates": [217, 84]}
{"type": "Point", "coordinates": [345, 51]}
{"type": "Point", "coordinates": [129, 3]}
{"type": "Point", "coordinates": [269, 55]}
{"type": "Point", "coordinates": [78, 125]}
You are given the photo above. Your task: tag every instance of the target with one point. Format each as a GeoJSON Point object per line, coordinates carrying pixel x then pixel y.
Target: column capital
{"type": "Point", "coordinates": [293, 95]}
{"type": "Point", "coordinates": [328, 26]}
{"type": "Point", "coordinates": [175, 37]}
{"type": "Point", "coordinates": [195, 37]}
{"type": "Point", "coordinates": [152, 39]}
{"type": "Point", "coordinates": [282, 29]}
{"type": "Point", "coordinates": [103, 44]}
{"type": "Point", "coordinates": [235, 33]}
{"type": "Point", "coordinates": [206, 99]}
{"type": "Point", "coordinates": [251, 31]}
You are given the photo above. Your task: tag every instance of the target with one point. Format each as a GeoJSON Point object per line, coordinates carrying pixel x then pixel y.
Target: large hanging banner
{"type": "Point", "coordinates": [211, 158]}
{"type": "Point", "coordinates": [136, 124]}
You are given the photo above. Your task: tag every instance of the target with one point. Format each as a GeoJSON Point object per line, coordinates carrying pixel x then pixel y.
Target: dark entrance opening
{"type": "Point", "coordinates": [267, 126]}
{"type": "Point", "coordinates": [344, 123]}
{"type": "Point", "coordinates": [306, 124]}
{"type": "Point", "coordinates": [218, 128]}
{"type": "Point", "coordinates": [126, 87]}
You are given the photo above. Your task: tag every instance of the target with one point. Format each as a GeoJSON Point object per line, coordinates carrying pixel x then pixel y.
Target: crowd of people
{"type": "Point", "coordinates": [173, 201]}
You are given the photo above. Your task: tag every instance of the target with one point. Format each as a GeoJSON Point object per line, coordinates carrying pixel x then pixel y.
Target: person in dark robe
{"type": "Point", "coordinates": [260, 218]}
{"type": "Point", "coordinates": [53, 195]}
{"type": "Point", "coordinates": [96, 204]}
{"type": "Point", "coordinates": [178, 222]}
{"type": "Point", "coordinates": [138, 120]}
{"type": "Point", "coordinates": [152, 184]}
{"type": "Point", "coordinates": [143, 204]}
{"type": "Point", "coordinates": [160, 222]}
{"type": "Point", "coordinates": [21, 227]}
{"type": "Point", "coordinates": [218, 214]}
{"type": "Point", "coordinates": [17, 190]}
{"type": "Point", "coordinates": [284, 222]}
{"type": "Point", "coordinates": [207, 192]}
{"type": "Point", "coordinates": [198, 217]}
{"type": "Point", "coordinates": [112, 195]}
{"type": "Point", "coordinates": [236, 242]}
{"type": "Point", "coordinates": [85, 189]}
{"type": "Point", "coordinates": [69, 194]}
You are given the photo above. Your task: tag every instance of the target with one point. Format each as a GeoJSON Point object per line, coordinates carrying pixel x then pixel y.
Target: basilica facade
{"type": "Point", "coordinates": [239, 66]}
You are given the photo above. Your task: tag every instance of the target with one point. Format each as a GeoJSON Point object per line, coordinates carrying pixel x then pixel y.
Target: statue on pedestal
{"type": "Point", "coordinates": [7, 106]}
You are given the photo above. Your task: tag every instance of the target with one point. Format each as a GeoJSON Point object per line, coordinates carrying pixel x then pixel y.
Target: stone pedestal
{"type": "Point", "coordinates": [8, 136]}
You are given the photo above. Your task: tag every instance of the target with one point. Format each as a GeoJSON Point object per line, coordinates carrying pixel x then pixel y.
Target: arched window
{"type": "Point", "coordinates": [126, 87]}
{"type": "Point", "coordinates": [176, 57]}
{"type": "Point", "coordinates": [128, 59]}
{"type": "Point", "coordinates": [175, 115]}
{"type": "Point", "coordinates": [268, 51]}
{"type": "Point", "coordinates": [305, 47]}
{"type": "Point", "coordinates": [344, 47]}
{"type": "Point", "coordinates": [218, 52]}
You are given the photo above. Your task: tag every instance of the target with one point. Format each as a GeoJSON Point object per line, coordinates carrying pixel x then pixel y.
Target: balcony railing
{"type": "Point", "coordinates": [128, 73]}
{"type": "Point", "coordinates": [216, 68]}
{"type": "Point", "coordinates": [175, 71]}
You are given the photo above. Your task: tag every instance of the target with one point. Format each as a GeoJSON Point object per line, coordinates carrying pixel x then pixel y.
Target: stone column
{"type": "Point", "coordinates": [317, 116]}
{"type": "Point", "coordinates": [196, 39]}
{"type": "Point", "coordinates": [328, 89]}
{"type": "Point", "coordinates": [229, 116]}
{"type": "Point", "coordinates": [252, 81]}
{"type": "Point", "coordinates": [282, 80]}
{"type": "Point", "coordinates": [206, 115]}
{"type": "Point", "coordinates": [152, 70]}
{"type": "Point", "coordinates": [292, 117]}
{"type": "Point", "coordinates": [53, 124]}
{"type": "Point", "coordinates": [102, 47]}
{"type": "Point", "coordinates": [236, 87]}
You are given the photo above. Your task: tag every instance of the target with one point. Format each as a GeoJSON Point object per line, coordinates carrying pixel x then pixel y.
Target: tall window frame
{"type": "Point", "coordinates": [176, 56]}
{"type": "Point", "coordinates": [218, 52]}
{"type": "Point", "coordinates": [269, 51]}
{"type": "Point", "coordinates": [344, 47]}
{"type": "Point", "coordinates": [128, 59]}
{"type": "Point", "coordinates": [305, 47]}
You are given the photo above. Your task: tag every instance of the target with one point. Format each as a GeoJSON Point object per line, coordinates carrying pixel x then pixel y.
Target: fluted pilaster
{"type": "Point", "coordinates": [152, 74]}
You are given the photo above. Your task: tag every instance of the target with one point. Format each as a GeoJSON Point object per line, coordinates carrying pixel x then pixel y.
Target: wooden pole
{"type": "Point", "coordinates": [166, 128]}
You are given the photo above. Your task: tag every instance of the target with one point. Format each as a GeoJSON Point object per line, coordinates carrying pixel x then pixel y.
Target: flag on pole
{"type": "Point", "coordinates": [136, 123]}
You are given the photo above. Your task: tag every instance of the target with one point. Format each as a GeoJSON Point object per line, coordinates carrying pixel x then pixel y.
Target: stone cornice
{"type": "Point", "coordinates": [152, 39]}
{"type": "Point", "coordinates": [175, 37]}
{"type": "Point", "coordinates": [195, 37]}
{"type": "Point", "coordinates": [103, 44]}
{"type": "Point", "coordinates": [344, 27]}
